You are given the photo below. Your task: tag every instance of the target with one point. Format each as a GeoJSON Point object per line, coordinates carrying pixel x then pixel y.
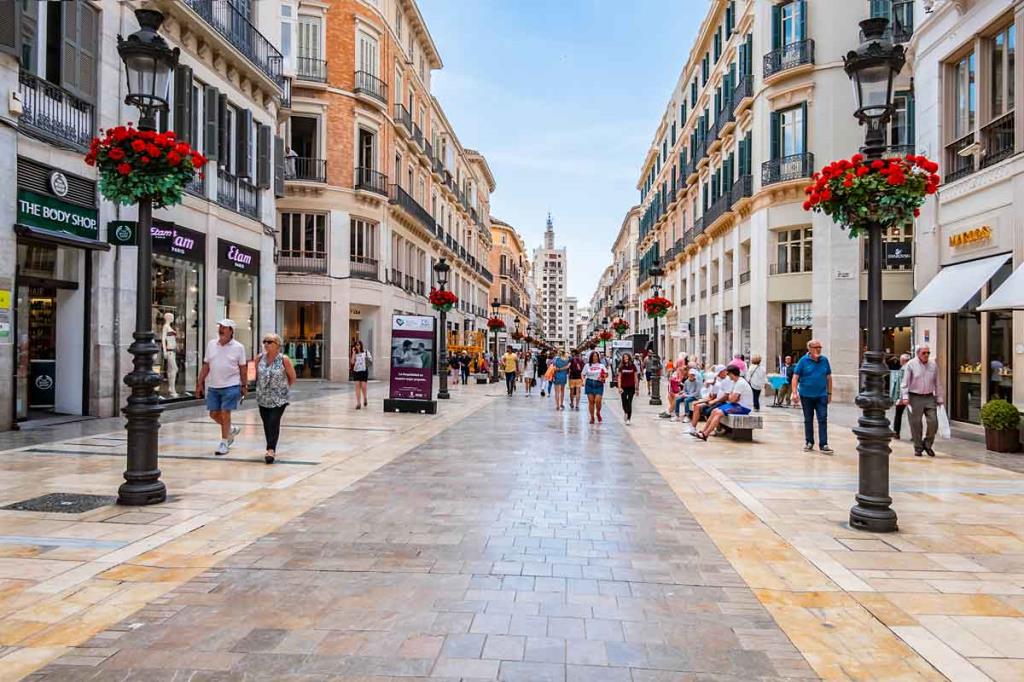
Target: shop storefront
{"type": "Point", "coordinates": [303, 330]}
{"type": "Point", "coordinates": [897, 334]}
{"type": "Point", "coordinates": [796, 329]}
{"type": "Point", "coordinates": [57, 230]}
{"type": "Point", "coordinates": [238, 285]}
{"type": "Point", "coordinates": [178, 304]}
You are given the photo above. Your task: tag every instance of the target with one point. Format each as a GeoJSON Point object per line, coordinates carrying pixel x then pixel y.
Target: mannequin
{"type": "Point", "coordinates": [169, 344]}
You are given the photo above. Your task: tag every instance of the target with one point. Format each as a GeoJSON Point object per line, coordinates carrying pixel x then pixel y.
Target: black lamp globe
{"type": "Point", "coordinates": [872, 69]}
{"type": "Point", "coordinates": [148, 63]}
{"type": "Point", "coordinates": [494, 307]}
{"type": "Point", "coordinates": [441, 268]}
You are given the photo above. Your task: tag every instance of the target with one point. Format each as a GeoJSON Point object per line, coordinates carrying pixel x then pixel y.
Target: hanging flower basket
{"type": "Point", "coordinates": [517, 336]}
{"type": "Point", "coordinates": [495, 323]}
{"type": "Point", "coordinates": [442, 301]}
{"type": "Point", "coordinates": [134, 164]}
{"type": "Point", "coordinates": [857, 193]}
{"type": "Point", "coordinates": [657, 306]}
{"type": "Point", "coordinates": [620, 326]}
{"type": "Point", "coordinates": [606, 335]}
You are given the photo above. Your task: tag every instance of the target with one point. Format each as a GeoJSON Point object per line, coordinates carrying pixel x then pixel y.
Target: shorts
{"type": "Point", "coordinates": [223, 399]}
{"type": "Point", "coordinates": [734, 408]}
{"type": "Point", "coordinates": [360, 376]}
{"type": "Point", "coordinates": [575, 383]}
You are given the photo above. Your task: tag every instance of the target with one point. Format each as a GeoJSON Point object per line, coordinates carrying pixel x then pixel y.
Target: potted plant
{"type": "Point", "coordinates": [442, 301]}
{"type": "Point", "coordinates": [495, 323]}
{"type": "Point", "coordinates": [1002, 426]}
{"type": "Point", "coordinates": [657, 306]}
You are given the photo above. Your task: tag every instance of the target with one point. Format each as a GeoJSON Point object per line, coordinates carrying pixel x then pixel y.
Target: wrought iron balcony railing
{"type": "Point", "coordinates": [369, 84]}
{"type": "Point", "coordinates": [998, 140]}
{"type": "Point", "coordinates": [742, 188]}
{"type": "Point", "coordinates": [248, 199]}
{"type": "Point", "coordinates": [788, 57]}
{"type": "Point", "coordinates": [227, 189]}
{"type": "Point", "coordinates": [54, 114]}
{"type": "Point", "coordinates": [401, 198]}
{"type": "Point", "coordinates": [310, 69]}
{"type": "Point", "coordinates": [315, 264]}
{"type": "Point", "coordinates": [744, 89]}
{"type": "Point", "coordinates": [791, 167]}
{"type": "Point", "coordinates": [305, 168]}
{"type": "Point", "coordinates": [745, 277]}
{"type": "Point", "coordinates": [225, 18]}
{"type": "Point", "coordinates": [403, 116]}
{"type": "Point", "coordinates": [371, 180]}
{"type": "Point", "coordinates": [957, 165]}
{"type": "Point", "coordinates": [362, 267]}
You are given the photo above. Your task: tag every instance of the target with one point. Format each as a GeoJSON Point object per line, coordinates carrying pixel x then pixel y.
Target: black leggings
{"type": "Point", "coordinates": [271, 417]}
{"type": "Point", "coordinates": [627, 401]}
{"type": "Point", "coordinates": [757, 398]}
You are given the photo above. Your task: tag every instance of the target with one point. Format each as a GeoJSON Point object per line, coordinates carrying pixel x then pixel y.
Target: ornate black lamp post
{"type": "Point", "coordinates": [441, 268]}
{"type": "Point", "coordinates": [621, 307]}
{"type": "Point", "coordinates": [495, 305]}
{"type": "Point", "coordinates": [873, 67]}
{"type": "Point", "coordinates": [654, 362]}
{"type": "Point", "coordinates": [148, 62]}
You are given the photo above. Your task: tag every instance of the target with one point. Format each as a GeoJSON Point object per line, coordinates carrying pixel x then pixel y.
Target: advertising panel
{"type": "Point", "coordinates": [412, 357]}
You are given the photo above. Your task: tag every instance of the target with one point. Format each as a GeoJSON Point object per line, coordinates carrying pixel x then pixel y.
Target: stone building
{"type": "Point", "coordinates": [550, 279]}
{"type": "Point", "coordinates": [510, 264]}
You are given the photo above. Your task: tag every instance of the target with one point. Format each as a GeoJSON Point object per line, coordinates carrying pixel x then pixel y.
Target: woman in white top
{"type": "Point", "coordinates": [528, 372]}
{"type": "Point", "coordinates": [359, 364]}
{"type": "Point", "coordinates": [757, 376]}
{"type": "Point", "coordinates": [594, 375]}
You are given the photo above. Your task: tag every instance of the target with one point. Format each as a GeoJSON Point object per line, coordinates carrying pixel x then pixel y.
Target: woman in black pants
{"type": "Point", "coordinates": [274, 377]}
{"type": "Point", "coordinates": [626, 379]}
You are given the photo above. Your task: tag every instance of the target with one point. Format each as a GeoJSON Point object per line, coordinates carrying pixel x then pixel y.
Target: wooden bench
{"type": "Point", "coordinates": [481, 378]}
{"type": "Point", "coordinates": [741, 426]}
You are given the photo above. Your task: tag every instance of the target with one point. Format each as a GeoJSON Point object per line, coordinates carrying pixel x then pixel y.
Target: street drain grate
{"type": "Point", "coordinates": [65, 503]}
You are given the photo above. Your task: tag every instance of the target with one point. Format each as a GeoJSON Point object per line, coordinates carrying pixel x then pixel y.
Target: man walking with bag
{"type": "Point", "coordinates": [922, 390]}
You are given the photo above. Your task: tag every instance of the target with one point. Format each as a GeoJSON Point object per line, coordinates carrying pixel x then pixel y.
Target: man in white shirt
{"type": "Point", "coordinates": [740, 401]}
{"type": "Point", "coordinates": [224, 378]}
{"type": "Point", "coordinates": [718, 395]}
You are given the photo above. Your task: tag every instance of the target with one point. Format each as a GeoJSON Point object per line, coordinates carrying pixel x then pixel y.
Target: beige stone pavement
{"type": "Point", "coordinates": [944, 597]}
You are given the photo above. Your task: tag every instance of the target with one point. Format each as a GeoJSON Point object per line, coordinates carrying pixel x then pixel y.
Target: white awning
{"type": "Point", "coordinates": [953, 287]}
{"type": "Point", "coordinates": [1009, 296]}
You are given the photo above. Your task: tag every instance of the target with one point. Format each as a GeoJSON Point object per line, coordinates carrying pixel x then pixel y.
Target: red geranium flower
{"type": "Point", "coordinates": [173, 158]}
{"type": "Point", "coordinates": [124, 168]}
{"type": "Point", "coordinates": [116, 154]}
{"type": "Point", "coordinates": [138, 145]}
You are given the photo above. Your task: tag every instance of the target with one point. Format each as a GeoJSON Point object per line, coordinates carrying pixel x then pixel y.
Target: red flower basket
{"type": "Point", "coordinates": [442, 301]}
{"type": "Point", "coordinates": [517, 336]}
{"type": "Point", "coordinates": [134, 164]}
{"type": "Point", "coordinates": [657, 306]}
{"type": "Point", "coordinates": [605, 335]}
{"type": "Point", "coordinates": [620, 326]}
{"type": "Point", "coordinates": [858, 192]}
{"type": "Point", "coordinates": [495, 323]}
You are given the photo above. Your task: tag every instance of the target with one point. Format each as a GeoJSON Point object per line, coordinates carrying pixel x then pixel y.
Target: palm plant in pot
{"type": "Point", "coordinates": [1002, 426]}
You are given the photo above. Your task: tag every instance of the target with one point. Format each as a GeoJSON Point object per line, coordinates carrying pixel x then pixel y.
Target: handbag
{"type": "Point", "coordinates": [550, 374]}
{"type": "Point", "coordinates": [943, 418]}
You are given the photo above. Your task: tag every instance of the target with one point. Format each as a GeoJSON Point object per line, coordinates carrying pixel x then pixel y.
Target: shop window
{"type": "Point", "coordinates": [999, 330]}
{"type": "Point", "coordinates": [303, 325]}
{"type": "Point", "coordinates": [178, 321]}
{"type": "Point", "coordinates": [794, 252]}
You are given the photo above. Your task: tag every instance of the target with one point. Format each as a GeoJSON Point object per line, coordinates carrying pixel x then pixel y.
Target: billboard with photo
{"type": "Point", "coordinates": [412, 357]}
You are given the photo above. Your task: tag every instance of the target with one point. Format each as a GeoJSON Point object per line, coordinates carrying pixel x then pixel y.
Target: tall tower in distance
{"type": "Point", "coordinates": [549, 234]}
{"type": "Point", "coordinates": [550, 284]}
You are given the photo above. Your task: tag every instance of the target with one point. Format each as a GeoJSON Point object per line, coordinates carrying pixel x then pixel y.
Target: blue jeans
{"type": "Point", "coordinates": [815, 406]}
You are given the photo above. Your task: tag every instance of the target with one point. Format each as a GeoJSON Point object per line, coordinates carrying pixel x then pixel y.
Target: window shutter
{"type": "Point", "coordinates": [880, 8]}
{"type": "Point", "coordinates": [183, 104]}
{"type": "Point", "coordinates": [264, 160]}
{"type": "Point", "coordinates": [776, 26]}
{"type": "Point", "coordinates": [78, 48]}
{"type": "Point", "coordinates": [749, 66]}
{"type": "Point", "coordinates": [243, 135]}
{"type": "Point", "coordinates": [801, 6]}
{"type": "Point", "coordinates": [803, 117]}
{"type": "Point", "coordinates": [10, 28]}
{"type": "Point", "coordinates": [775, 135]}
{"type": "Point", "coordinates": [911, 133]}
{"type": "Point", "coordinates": [223, 132]}
{"type": "Point", "coordinates": [278, 166]}
{"type": "Point", "coordinates": [211, 113]}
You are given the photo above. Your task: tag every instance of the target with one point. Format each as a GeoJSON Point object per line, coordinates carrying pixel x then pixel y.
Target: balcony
{"type": "Point", "coordinates": [714, 289]}
{"type": "Point", "coordinates": [369, 180]}
{"type": "Point", "coordinates": [791, 167]}
{"type": "Point", "coordinates": [403, 116]}
{"type": "Point", "coordinates": [196, 186]}
{"type": "Point", "coordinates": [305, 169]}
{"type": "Point", "coordinates": [745, 277]}
{"type": "Point", "coordinates": [727, 284]}
{"type": "Point", "coordinates": [226, 20]}
{"type": "Point", "coordinates": [286, 97]}
{"type": "Point", "coordinates": [787, 268]}
{"type": "Point", "coordinates": [248, 199]}
{"type": "Point", "coordinates": [743, 188]}
{"type": "Point", "coordinates": [404, 200]}
{"type": "Point", "coordinates": [315, 264]}
{"type": "Point", "coordinates": [395, 277]}
{"type": "Point", "coordinates": [368, 84]}
{"type": "Point", "coordinates": [362, 267]}
{"type": "Point", "coordinates": [743, 93]}
{"type": "Point", "coordinates": [698, 226]}
{"type": "Point", "coordinates": [54, 114]}
{"type": "Point", "coordinates": [998, 140]}
{"type": "Point", "coordinates": [309, 69]}
{"type": "Point", "coordinates": [717, 209]}
{"type": "Point", "coordinates": [693, 298]}
{"type": "Point", "coordinates": [788, 57]}
{"type": "Point", "coordinates": [227, 190]}
{"type": "Point", "coordinates": [958, 166]}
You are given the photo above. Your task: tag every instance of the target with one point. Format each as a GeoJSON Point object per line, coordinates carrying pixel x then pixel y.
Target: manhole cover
{"type": "Point", "coordinates": [66, 503]}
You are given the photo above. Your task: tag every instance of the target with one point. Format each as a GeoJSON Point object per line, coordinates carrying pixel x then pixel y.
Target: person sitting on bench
{"type": "Point", "coordinates": [716, 396]}
{"type": "Point", "coordinates": [740, 400]}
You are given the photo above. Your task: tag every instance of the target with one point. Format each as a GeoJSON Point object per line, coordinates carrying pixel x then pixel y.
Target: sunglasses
{"type": "Point", "coordinates": [267, 342]}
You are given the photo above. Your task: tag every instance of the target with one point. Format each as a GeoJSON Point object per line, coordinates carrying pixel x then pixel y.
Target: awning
{"type": "Point", "coordinates": [59, 238]}
{"type": "Point", "coordinates": [1009, 296]}
{"type": "Point", "coordinates": [953, 287]}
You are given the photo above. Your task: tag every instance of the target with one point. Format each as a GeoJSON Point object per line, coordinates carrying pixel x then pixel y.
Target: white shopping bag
{"type": "Point", "coordinates": [944, 432]}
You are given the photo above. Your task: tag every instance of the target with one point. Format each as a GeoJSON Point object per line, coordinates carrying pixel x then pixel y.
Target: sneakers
{"type": "Point", "coordinates": [664, 415]}
{"type": "Point", "coordinates": [928, 451]}
{"type": "Point", "coordinates": [222, 449]}
{"type": "Point", "coordinates": [269, 457]}
{"type": "Point", "coordinates": [689, 429]}
{"type": "Point", "coordinates": [808, 447]}
{"type": "Point", "coordinates": [826, 450]}
{"type": "Point", "coordinates": [235, 430]}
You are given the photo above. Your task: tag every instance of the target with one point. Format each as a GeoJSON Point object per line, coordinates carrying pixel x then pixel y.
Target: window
{"type": "Point", "coordinates": [794, 251]}
{"type": "Point", "coordinates": [363, 241]}
{"type": "Point", "coordinates": [964, 96]}
{"type": "Point", "coordinates": [1001, 71]}
{"type": "Point", "coordinates": [789, 132]}
{"type": "Point", "coordinates": [398, 22]}
{"type": "Point", "coordinates": [308, 48]}
{"type": "Point", "coordinates": [789, 23]}
{"type": "Point", "coordinates": [901, 129]}
{"type": "Point", "coordinates": [366, 55]}
{"type": "Point", "coordinates": [303, 235]}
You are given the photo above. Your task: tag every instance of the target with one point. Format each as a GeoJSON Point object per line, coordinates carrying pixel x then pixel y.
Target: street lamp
{"type": "Point", "coordinates": [654, 362]}
{"type": "Point", "coordinates": [495, 305]}
{"type": "Point", "coordinates": [872, 68]}
{"type": "Point", "coordinates": [441, 269]}
{"type": "Point", "coordinates": [148, 62]}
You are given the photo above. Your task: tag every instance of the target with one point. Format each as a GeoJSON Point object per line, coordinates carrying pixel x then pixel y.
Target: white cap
{"type": "Point", "coordinates": [226, 322]}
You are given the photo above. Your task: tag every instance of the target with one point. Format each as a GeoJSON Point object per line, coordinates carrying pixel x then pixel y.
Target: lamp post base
{"type": "Point", "coordinates": [142, 492]}
{"type": "Point", "coordinates": [873, 520]}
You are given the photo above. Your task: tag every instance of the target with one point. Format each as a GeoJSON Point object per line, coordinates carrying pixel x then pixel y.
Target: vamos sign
{"type": "Point", "coordinates": [48, 213]}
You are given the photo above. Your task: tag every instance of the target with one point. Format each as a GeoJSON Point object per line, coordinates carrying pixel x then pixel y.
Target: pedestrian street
{"type": "Point", "coordinates": [501, 540]}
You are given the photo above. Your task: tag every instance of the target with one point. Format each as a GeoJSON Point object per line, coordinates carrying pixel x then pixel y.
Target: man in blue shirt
{"type": "Point", "coordinates": [812, 389]}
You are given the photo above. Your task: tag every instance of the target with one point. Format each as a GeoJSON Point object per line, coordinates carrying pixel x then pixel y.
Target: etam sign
{"type": "Point", "coordinates": [232, 256]}
{"type": "Point", "coordinates": [180, 242]}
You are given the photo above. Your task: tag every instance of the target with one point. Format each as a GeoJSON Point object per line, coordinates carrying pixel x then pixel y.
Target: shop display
{"type": "Point", "coordinates": [178, 319]}
{"type": "Point", "coordinates": [303, 325]}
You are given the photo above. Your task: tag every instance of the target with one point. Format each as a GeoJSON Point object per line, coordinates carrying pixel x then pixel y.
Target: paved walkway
{"type": "Point", "coordinates": [480, 554]}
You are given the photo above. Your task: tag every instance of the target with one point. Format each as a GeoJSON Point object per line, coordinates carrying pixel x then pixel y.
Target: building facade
{"type": "Point", "coordinates": [550, 280]}
{"type": "Point", "coordinates": [378, 188]}
{"type": "Point", "coordinates": [510, 263]}
{"type": "Point", "coordinates": [969, 78]}
{"type": "Point", "coordinates": [761, 102]}
{"type": "Point", "coordinates": [67, 296]}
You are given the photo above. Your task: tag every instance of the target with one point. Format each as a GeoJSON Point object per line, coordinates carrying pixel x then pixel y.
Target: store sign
{"type": "Point", "coordinates": [897, 254]}
{"type": "Point", "coordinates": [799, 314]}
{"type": "Point", "coordinates": [231, 256]}
{"type": "Point", "coordinates": [172, 240]}
{"type": "Point", "coordinates": [59, 183]}
{"type": "Point", "coordinates": [412, 357]}
{"type": "Point", "coordinates": [123, 232]}
{"type": "Point", "coordinates": [968, 237]}
{"type": "Point", "coordinates": [48, 213]}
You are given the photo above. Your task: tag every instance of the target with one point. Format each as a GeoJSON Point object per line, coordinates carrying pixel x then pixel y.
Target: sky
{"type": "Point", "coordinates": [563, 98]}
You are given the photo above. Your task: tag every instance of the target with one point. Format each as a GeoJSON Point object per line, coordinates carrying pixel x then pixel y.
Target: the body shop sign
{"type": "Point", "coordinates": [50, 213]}
{"type": "Point", "coordinates": [172, 240]}
{"type": "Point", "coordinates": [238, 258]}
{"type": "Point", "coordinates": [412, 357]}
